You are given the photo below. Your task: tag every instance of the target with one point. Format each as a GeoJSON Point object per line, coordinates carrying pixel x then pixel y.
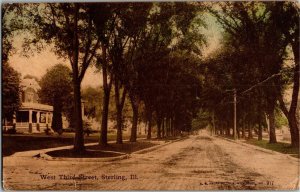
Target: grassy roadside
{"type": "Point", "coordinates": [17, 143]}
{"type": "Point", "coordinates": [280, 147]}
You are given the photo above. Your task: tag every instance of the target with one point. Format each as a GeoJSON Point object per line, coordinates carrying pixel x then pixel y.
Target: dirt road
{"type": "Point", "coordinates": [198, 163]}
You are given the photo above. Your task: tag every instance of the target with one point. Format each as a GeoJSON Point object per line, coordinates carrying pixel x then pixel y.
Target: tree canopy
{"type": "Point", "coordinates": [10, 91]}
{"type": "Point", "coordinates": [150, 55]}
{"type": "Point", "coordinates": [56, 90]}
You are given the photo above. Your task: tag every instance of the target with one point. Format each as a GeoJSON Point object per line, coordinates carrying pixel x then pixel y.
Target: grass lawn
{"type": "Point", "coordinates": [279, 147]}
{"type": "Point", "coordinates": [16, 143]}
{"type": "Point", "coordinates": [96, 151]}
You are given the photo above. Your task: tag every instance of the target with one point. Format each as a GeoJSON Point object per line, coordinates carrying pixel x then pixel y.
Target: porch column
{"type": "Point", "coordinates": [47, 116]}
{"type": "Point", "coordinates": [38, 121]}
{"type": "Point", "coordinates": [82, 109]}
{"type": "Point", "coordinates": [14, 121]}
{"type": "Point", "coordinates": [30, 121]}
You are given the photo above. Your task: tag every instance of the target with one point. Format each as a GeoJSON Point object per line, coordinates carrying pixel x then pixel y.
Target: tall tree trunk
{"type": "Point", "coordinates": [271, 115]}
{"type": "Point", "coordinates": [106, 90]}
{"type": "Point", "coordinates": [172, 127]}
{"type": "Point", "coordinates": [119, 106]}
{"type": "Point", "coordinates": [56, 124]}
{"type": "Point", "coordinates": [227, 129]}
{"type": "Point", "coordinates": [260, 130]}
{"type": "Point", "coordinates": [293, 109]}
{"type": "Point", "coordinates": [119, 127]}
{"type": "Point", "coordinates": [292, 120]}
{"type": "Point", "coordinates": [250, 135]}
{"type": "Point", "coordinates": [104, 122]}
{"type": "Point", "coordinates": [291, 113]}
{"type": "Point", "coordinates": [213, 123]}
{"type": "Point", "coordinates": [135, 116]}
{"type": "Point", "coordinates": [119, 112]}
{"type": "Point", "coordinates": [79, 139]}
{"type": "Point", "coordinates": [294, 131]}
{"type": "Point", "coordinates": [163, 128]}
{"type": "Point", "coordinates": [167, 127]}
{"type": "Point", "coordinates": [243, 130]}
{"type": "Point", "coordinates": [149, 118]}
{"type": "Point", "coordinates": [158, 128]}
{"type": "Point", "coordinates": [260, 116]}
{"type": "Point", "coordinates": [238, 132]}
{"type": "Point", "coordinates": [221, 128]}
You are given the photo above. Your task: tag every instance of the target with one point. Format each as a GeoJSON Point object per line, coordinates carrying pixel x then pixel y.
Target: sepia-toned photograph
{"type": "Point", "coordinates": [191, 95]}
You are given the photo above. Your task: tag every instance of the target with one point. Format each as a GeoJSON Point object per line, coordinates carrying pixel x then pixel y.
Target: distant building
{"type": "Point", "coordinates": [32, 116]}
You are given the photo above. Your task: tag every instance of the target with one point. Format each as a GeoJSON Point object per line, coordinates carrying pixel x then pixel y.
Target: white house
{"type": "Point", "coordinates": [32, 115]}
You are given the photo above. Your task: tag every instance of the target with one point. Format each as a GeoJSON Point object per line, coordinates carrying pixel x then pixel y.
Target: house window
{"type": "Point", "coordinates": [22, 116]}
{"type": "Point", "coordinates": [43, 118]}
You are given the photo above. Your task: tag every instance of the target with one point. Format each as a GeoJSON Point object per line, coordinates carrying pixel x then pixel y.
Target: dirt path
{"type": "Point", "coordinates": [196, 163]}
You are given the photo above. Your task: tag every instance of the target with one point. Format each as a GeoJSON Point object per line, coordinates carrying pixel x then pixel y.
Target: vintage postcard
{"type": "Point", "coordinates": [190, 95]}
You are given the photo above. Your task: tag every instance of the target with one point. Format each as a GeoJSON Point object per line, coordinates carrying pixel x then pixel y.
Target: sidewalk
{"type": "Point", "coordinates": [42, 152]}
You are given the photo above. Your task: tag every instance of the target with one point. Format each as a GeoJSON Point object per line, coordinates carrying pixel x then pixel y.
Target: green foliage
{"type": "Point", "coordinates": [56, 90]}
{"type": "Point", "coordinates": [10, 26]}
{"type": "Point", "coordinates": [171, 86]}
{"type": "Point", "coordinates": [201, 120]}
{"type": "Point", "coordinates": [10, 91]}
{"type": "Point", "coordinates": [280, 119]}
{"type": "Point", "coordinates": [87, 128]}
{"type": "Point", "coordinates": [253, 50]}
{"type": "Point", "coordinates": [92, 98]}
{"type": "Point", "coordinates": [153, 51]}
{"type": "Point", "coordinates": [284, 148]}
{"type": "Point", "coordinates": [140, 49]}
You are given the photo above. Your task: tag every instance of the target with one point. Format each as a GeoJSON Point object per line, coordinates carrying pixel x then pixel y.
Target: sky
{"type": "Point", "coordinates": [38, 63]}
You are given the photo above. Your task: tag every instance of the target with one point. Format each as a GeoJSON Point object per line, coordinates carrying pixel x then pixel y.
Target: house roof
{"type": "Point", "coordinates": [30, 83]}
{"type": "Point", "coordinates": [36, 106]}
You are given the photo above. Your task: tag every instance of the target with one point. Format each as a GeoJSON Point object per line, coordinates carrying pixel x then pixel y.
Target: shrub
{"type": "Point", "coordinates": [11, 131]}
{"type": "Point", "coordinates": [60, 131]}
{"type": "Point", "coordinates": [47, 131]}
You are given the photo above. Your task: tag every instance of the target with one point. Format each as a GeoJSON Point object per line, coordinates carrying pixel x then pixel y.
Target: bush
{"type": "Point", "coordinates": [11, 131]}
{"type": "Point", "coordinates": [47, 131]}
{"type": "Point", "coordinates": [69, 130]}
{"type": "Point", "coordinates": [87, 131]}
{"type": "Point", "coordinates": [60, 131]}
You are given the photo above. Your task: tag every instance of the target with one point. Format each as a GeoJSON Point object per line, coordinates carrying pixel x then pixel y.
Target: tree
{"type": "Point", "coordinates": [254, 39]}
{"type": "Point", "coordinates": [92, 98]}
{"type": "Point", "coordinates": [261, 33]}
{"type": "Point", "coordinates": [124, 47]}
{"type": "Point", "coordinates": [56, 90]}
{"type": "Point", "coordinates": [11, 26]}
{"type": "Point", "coordinates": [285, 16]}
{"type": "Point", "coordinates": [10, 78]}
{"type": "Point", "coordinates": [125, 37]}
{"type": "Point", "coordinates": [69, 27]}
{"type": "Point", "coordinates": [10, 91]}
{"type": "Point", "coordinates": [102, 17]}
{"type": "Point", "coordinates": [167, 23]}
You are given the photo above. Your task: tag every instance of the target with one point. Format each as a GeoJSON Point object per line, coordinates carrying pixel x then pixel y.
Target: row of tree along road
{"type": "Point", "coordinates": [151, 55]}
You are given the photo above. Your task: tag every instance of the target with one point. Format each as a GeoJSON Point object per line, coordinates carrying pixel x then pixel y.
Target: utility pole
{"type": "Point", "coordinates": [213, 123]}
{"type": "Point", "coordinates": [234, 114]}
